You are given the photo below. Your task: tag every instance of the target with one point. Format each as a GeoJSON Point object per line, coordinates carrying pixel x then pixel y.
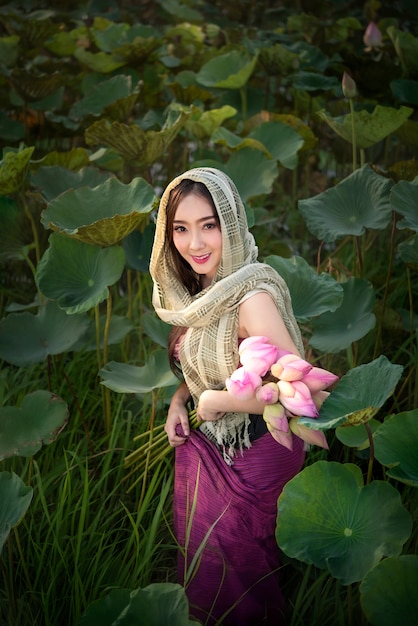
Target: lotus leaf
{"type": "Point", "coordinates": [100, 61]}
{"type": "Point", "coordinates": [326, 516]}
{"type": "Point", "coordinates": [52, 180]}
{"type": "Point", "coordinates": [408, 252]}
{"type": "Point", "coordinates": [406, 46]}
{"type": "Point", "coordinates": [13, 170]}
{"type": "Point", "coordinates": [156, 604]}
{"type": "Point", "coordinates": [404, 199]}
{"type": "Point", "coordinates": [354, 318]}
{"type": "Point", "coordinates": [141, 148]}
{"type": "Point", "coordinates": [228, 71]}
{"type": "Point", "coordinates": [78, 275]}
{"type": "Point", "coordinates": [26, 338]}
{"type": "Point", "coordinates": [15, 498]}
{"type": "Point", "coordinates": [358, 395]}
{"type": "Point", "coordinates": [396, 446]}
{"type": "Point", "coordinates": [208, 121]}
{"type": "Point", "coordinates": [101, 96]}
{"type": "Point", "coordinates": [39, 420]}
{"type": "Point", "coordinates": [370, 128]}
{"type": "Point", "coordinates": [388, 593]}
{"type": "Point", "coordinates": [125, 378]}
{"type": "Point", "coordinates": [102, 215]}
{"type": "Point", "coordinates": [311, 294]}
{"type": "Point", "coordinates": [358, 202]}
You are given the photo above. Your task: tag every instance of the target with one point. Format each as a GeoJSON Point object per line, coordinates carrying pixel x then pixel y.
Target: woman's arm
{"type": "Point", "coordinates": [258, 316]}
{"type": "Point", "coordinates": [178, 416]}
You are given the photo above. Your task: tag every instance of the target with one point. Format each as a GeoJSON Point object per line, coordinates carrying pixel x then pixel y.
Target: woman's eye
{"type": "Point", "coordinates": [210, 225]}
{"type": "Point", "coordinates": [179, 229]}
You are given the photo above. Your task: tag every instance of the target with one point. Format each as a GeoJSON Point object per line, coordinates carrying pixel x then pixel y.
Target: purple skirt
{"type": "Point", "coordinates": [225, 520]}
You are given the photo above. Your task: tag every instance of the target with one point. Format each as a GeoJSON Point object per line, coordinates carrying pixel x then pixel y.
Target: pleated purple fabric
{"type": "Point", "coordinates": [232, 512]}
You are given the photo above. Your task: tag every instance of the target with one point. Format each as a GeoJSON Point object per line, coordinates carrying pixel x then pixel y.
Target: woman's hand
{"type": "Point", "coordinates": [208, 408]}
{"type": "Point", "coordinates": [177, 424]}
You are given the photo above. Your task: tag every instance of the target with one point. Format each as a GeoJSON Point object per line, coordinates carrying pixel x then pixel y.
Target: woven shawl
{"type": "Point", "coordinates": [209, 351]}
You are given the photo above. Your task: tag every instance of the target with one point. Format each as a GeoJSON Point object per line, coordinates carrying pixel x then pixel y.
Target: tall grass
{"type": "Point", "coordinates": [84, 533]}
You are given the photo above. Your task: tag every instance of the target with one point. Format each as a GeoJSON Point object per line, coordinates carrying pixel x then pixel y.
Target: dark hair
{"type": "Point", "coordinates": [183, 270]}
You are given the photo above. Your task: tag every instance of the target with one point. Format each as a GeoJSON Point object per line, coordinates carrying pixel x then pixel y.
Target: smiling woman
{"type": "Point", "coordinates": [230, 471]}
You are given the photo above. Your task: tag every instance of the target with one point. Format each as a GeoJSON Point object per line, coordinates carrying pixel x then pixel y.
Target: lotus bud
{"type": "Point", "coordinates": [318, 379]}
{"type": "Point", "coordinates": [243, 384]}
{"type": "Point", "coordinates": [268, 393]}
{"type": "Point", "coordinates": [299, 402]}
{"type": "Point", "coordinates": [290, 367]}
{"type": "Point", "coordinates": [349, 86]}
{"type": "Point", "coordinates": [275, 416]}
{"type": "Point", "coordinates": [315, 437]}
{"type": "Point", "coordinates": [372, 37]}
{"type": "Point", "coordinates": [257, 354]}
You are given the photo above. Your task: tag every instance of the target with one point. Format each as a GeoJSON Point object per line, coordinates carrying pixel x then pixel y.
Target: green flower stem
{"type": "Point", "coordinates": [353, 135]}
{"type": "Point", "coordinates": [107, 402]}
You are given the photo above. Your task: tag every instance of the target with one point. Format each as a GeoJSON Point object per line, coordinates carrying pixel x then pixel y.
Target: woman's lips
{"type": "Point", "coordinates": [201, 259]}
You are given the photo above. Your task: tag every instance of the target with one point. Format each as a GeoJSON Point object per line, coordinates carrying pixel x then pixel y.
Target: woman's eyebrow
{"type": "Point", "coordinates": [201, 219]}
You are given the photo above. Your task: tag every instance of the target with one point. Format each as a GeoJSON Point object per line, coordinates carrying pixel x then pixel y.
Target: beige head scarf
{"type": "Point", "coordinates": [209, 350]}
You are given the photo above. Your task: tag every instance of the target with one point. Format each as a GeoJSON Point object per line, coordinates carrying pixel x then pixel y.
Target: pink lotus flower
{"type": "Point", "coordinates": [257, 354]}
{"type": "Point", "coordinates": [315, 437]}
{"type": "Point", "coordinates": [275, 416]}
{"type": "Point", "coordinates": [285, 439]}
{"type": "Point", "coordinates": [243, 383]}
{"type": "Point", "coordinates": [290, 367]}
{"type": "Point", "coordinates": [372, 37]}
{"type": "Point", "coordinates": [268, 393]}
{"type": "Point", "coordinates": [296, 398]}
{"type": "Point", "coordinates": [319, 398]}
{"type": "Point", "coordinates": [318, 379]}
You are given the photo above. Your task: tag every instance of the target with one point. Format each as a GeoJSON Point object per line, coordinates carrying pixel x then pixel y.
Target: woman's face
{"type": "Point", "coordinates": [197, 236]}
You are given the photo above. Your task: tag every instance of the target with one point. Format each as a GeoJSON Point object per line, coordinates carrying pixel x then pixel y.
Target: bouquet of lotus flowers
{"type": "Point", "coordinates": [291, 388]}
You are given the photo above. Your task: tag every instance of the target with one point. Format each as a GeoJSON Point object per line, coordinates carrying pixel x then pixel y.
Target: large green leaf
{"type": "Point", "coordinates": [125, 378]}
{"type": "Point", "coordinates": [358, 395]}
{"type": "Point", "coordinates": [281, 140]}
{"type": "Point", "coordinates": [312, 294]}
{"type": "Point", "coordinates": [52, 180]}
{"type": "Point", "coordinates": [406, 46]}
{"type": "Point", "coordinates": [408, 252]}
{"type": "Point", "coordinates": [102, 215]}
{"type": "Point", "coordinates": [77, 275]}
{"type": "Point", "coordinates": [356, 436]}
{"type": "Point", "coordinates": [358, 202]}
{"type": "Point", "coordinates": [9, 50]}
{"type": "Point", "coordinates": [154, 605]}
{"type": "Point", "coordinates": [137, 246]}
{"type": "Point", "coordinates": [141, 148]}
{"type": "Point", "coordinates": [99, 61]}
{"type": "Point", "coordinates": [277, 140]}
{"type": "Point", "coordinates": [335, 331]}
{"type": "Point", "coordinates": [326, 516]}
{"type": "Point", "coordinates": [388, 594]}
{"type": "Point", "coordinates": [404, 199]}
{"type": "Point", "coordinates": [15, 498]}
{"type": "Point", "coordinates": [396, 446]}
{"type": "Point", "coordinates": [13, 170]}
{"type": "Point", "coordinates": [370, 128]}
{"type": "Point", "coordinates": [228, 71]}
{"type": "Point", "coordinates": [252, 172]}
{"type": "Point", "coordinates": [118, 329]}
{"type": "Point", "coordinates": [156, 329]}
{"type": "Point", "coordinates": [26, 338]}
{"type": "Point", "coordinates": [203, 123]}
{"type": "Point", "coordinates": [39, 420]}
{"type": "Point", "coordinates": [101, 96]}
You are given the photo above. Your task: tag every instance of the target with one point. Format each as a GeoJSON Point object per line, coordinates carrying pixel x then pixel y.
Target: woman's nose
{"type": "Point", "coordinates": [196, 241]}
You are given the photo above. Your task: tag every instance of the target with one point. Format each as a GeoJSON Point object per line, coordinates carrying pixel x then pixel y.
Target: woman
{"type": "Point", "coordinates": [228, 473]}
